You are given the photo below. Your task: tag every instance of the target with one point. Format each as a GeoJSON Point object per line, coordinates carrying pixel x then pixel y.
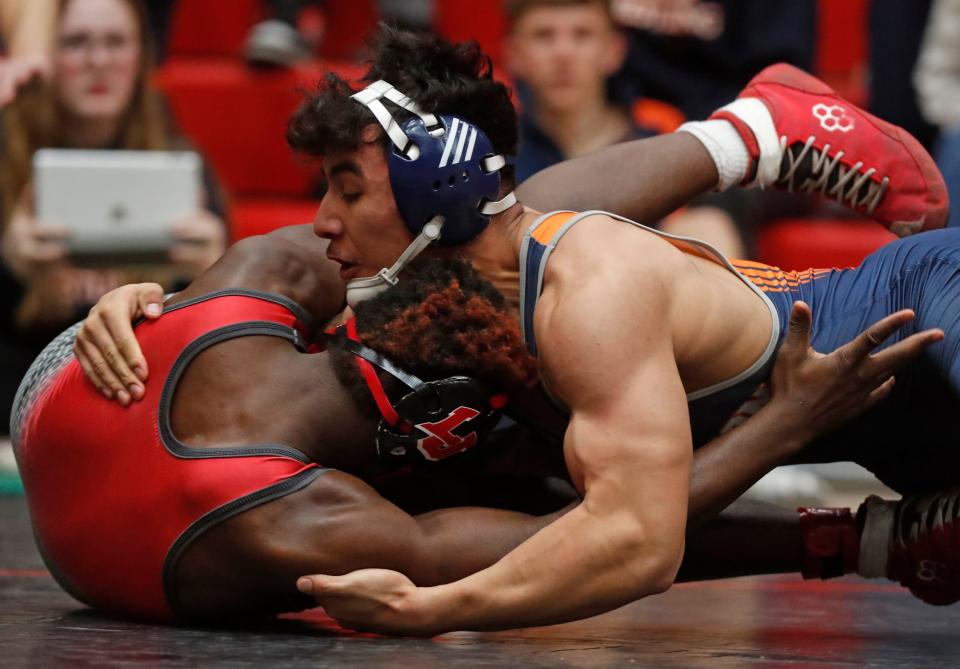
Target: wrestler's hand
{"type": "Point", "coordinates": [818, 392]}
{"type": "Point", "coordinates": [106, 347]}
{"type": "Point", "coordinates": [372, 600]}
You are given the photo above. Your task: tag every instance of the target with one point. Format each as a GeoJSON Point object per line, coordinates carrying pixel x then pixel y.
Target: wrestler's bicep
{"type": "Point", "coordinates": [335, 525]}
{"type": "Point", "coordinates": [339, 524]}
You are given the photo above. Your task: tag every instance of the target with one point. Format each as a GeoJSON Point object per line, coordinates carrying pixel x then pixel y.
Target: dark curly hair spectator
{"type": "Point", "coordinates": [443, 319]}
{"type": "Point", "coordinates": [441, 77]}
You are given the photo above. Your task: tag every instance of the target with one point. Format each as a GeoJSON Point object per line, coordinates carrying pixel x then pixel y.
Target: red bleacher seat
{"type": "Point", "coordinates": [460, 20]}
{"type": "Point", "coordinates": [257, 216]}
{"type": "Point", "coordinates": [212, 27]}
{"type": "Point", "coordinates": [238, 118]}
{"type": "Point", "coordinates": [798, 244]}
{"type": "Point", "coordinates": [841, 53]}
{"type": "Point", "coordinates": [220, 27]}
{"type": "Point", "coordinates": [349, 23]}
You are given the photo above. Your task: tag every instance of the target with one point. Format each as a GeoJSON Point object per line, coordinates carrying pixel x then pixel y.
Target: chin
{"type": "Point", "coordinates": [100, 110]}
{"type": "Point", "coordinates": [563, 103]}
{"type": "Point", "coordinates": [104, 107]}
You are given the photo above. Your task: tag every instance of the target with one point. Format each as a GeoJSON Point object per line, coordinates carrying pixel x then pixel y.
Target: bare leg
{"type": "Point", "coordinates": [643, 180]}
{"type": "Point", "coordinates": [747, 538]}
{"type": "Point", "coordinates": [709, 224]}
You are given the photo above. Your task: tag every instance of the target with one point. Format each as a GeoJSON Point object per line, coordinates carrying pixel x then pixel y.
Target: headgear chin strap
{"type": "Point", "coordinates": [365, 288]}
{"type": "Point", "coordinates": [445, 176]}
{"type": "Point", "coordinates": [435, 420]}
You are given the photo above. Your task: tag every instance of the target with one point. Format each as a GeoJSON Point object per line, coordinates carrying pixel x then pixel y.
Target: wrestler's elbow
{"type": "Point", "coordinates": [664, 573]}
{"type": "Point", "coordinates": [660, 576]}
{"type": "Point", "coordinates": [654, 564]}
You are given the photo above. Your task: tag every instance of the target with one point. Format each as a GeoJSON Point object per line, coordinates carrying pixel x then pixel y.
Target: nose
{"type": "Point", "coordinates": [326, 223]}
{"type": "Point", "coordinates": [98, 55]}
{"type": "Point", "coordinates": [565, 47]}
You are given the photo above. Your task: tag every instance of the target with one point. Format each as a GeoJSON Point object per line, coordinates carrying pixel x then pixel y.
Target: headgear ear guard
{"type": "Point", "coordinates": [435, 420]}
{"type": "Point", "coordinates": [445, 177]}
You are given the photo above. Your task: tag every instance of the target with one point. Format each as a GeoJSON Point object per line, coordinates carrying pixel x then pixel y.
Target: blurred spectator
{"type": "Point", "coordinates": [698, 55]}
{"type": "Point", "coordinates": [563, 53]}
{"type": "Point", "coordinates": [26, 33]}
{"type": "Point", "coordinates": [26, 39]}
{"type": "Point", "coordinates": [98, 97]}
{"type": "Point", "coordinates": [896, 30]}
{"type": "Point", "coordinates": [938, 84]}
{"type": "Point", "coordinates": [277, 41]}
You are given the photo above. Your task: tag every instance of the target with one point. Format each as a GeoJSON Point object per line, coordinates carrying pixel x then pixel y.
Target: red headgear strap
{"type": "Point", "coordinates": [372, 380]}
{"type": "Point", "coordinates": [374, 385]}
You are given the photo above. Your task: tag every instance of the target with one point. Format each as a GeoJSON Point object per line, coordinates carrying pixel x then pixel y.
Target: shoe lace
{"type": "Point", "coordinates": [919, 515]}
{"type": "Point", "coordinates": [830, 177]}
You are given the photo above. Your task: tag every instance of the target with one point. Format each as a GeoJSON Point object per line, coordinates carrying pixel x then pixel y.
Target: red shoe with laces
{"type": "Point", "coordinates": [925, 546]}
{"type": "Point", "coordinates": [818, 142]}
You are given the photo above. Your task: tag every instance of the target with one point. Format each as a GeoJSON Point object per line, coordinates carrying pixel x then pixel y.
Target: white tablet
{"type": "Point", "coordinates": [116, 202]}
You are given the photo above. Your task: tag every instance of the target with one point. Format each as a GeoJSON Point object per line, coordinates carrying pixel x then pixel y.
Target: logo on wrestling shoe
{"type": "Point", "coordinates": [929, 571]}
{"type": "Point", "coordinates": [832, 117]}
{"type": "Point", "coordinates": [442, 442]}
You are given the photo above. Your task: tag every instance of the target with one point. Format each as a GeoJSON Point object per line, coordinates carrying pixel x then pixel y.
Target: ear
{"type": "Point", "coordinates": [616, 52]}
{"type": "Point", "coordinates": [371, 133]}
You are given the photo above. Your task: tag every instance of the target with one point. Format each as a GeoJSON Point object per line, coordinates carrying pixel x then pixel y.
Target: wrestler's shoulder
{"type": "Point", "coordinates": [617, 243]}
{"type": "Point", "coordinates": [290, 262]}
{"type": "Point", "coordinates": [601, 254]}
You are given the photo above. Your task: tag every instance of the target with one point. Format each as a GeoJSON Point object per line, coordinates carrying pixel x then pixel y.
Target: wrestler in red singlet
{"type": "Point", "coordinates": [115, 500]}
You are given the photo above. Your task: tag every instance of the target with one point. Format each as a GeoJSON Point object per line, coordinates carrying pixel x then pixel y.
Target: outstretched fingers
{"type": "Point", "coordinates": [895, 356]}
{"type": "Point", "coordinates": [853, 353]}
{"type": "Point", "coordinates": [880, 393]}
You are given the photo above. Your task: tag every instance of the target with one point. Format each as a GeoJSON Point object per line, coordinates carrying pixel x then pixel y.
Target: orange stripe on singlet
{"type": "Point", "coordinates": [772, 279]}
{"type": "Point", "coordinates": [549, 227]}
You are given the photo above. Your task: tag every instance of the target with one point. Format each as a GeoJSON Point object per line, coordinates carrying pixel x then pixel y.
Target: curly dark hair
{"type": "Point", "coordinates": [442, 319]}
{"type": "Point", "coordinates": [440, 76]}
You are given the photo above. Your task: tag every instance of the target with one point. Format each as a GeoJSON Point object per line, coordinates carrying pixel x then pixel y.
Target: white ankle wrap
{"type": "Point", "coordinates": [875, 538]}
{"type": "Point", "coordinates": [725, 146]}
{"type": "Point", "coordinates": [755, 115]}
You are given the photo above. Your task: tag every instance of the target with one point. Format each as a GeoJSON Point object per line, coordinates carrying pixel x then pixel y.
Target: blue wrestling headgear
{"type": "Point", "coordinates": [445, 177]}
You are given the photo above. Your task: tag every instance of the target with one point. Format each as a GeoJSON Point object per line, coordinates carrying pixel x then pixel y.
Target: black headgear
{"type": "Point", "coordinates": [435, 420]}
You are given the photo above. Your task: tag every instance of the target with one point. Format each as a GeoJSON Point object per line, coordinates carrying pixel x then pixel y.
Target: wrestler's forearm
{"type": "Point", "coordinates": [579, 566]}
{"type": "Point", "coordinates": [643, 180]}
{"type": "Point", "coordinates": [460, 542]}
{"type": "Point", "coordinates": [728, 465]}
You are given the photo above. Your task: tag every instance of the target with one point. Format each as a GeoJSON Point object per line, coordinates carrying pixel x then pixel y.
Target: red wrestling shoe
{"type": "Point", "coordinates": [817, 142]}
{"type": "Point", "coordinates": [924, 550]}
